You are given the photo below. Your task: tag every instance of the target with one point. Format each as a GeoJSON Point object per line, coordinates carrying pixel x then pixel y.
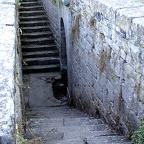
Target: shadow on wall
{"type": "Point", "coordinates": [63, 53]}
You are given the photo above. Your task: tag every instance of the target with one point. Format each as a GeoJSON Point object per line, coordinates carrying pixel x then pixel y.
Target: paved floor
{"type": "Point", "coordinates": [38, 89]}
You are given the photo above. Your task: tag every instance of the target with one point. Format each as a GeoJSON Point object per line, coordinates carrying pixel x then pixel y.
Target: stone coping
{"type": "Point", "coordinates": [7, 69]}
{"type": "Point", "coordinates": [127, 17]}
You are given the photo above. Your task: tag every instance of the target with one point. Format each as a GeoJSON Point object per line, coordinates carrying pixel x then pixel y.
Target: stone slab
{"type": "Point", "coordinates": [7, 15]}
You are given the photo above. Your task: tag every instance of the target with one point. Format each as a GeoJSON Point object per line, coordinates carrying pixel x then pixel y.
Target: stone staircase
{"type": "Point", "coordinates": [48, 120]}
{"type": "Point", "coordinates": [39, 50]}
{"type": "Point", "coordinates": [65, 125]}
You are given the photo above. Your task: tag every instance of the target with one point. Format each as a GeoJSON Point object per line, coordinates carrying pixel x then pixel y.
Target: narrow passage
{"type": "Point", "coordinates": [49, 120]}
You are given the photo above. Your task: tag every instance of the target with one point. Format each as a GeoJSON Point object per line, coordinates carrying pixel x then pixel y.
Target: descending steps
{"type": "Point", "coordinates": [39, 50]}
{"type": "Point", "coordinates": [65, 125]}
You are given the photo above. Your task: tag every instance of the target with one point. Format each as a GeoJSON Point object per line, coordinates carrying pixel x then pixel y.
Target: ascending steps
{"type": "Point", "coordinates": [33, 18]}
{"type": "Point", "coordinates": [31, 48]}
{"type": "Point", "coordinates": [37, 35]}
{"type": "Point", "coordinates": [40, 53]}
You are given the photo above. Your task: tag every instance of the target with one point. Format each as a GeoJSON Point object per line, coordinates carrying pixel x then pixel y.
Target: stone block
{"type": "Point", "coordinates": [7, 15]}
{"type": "Point", "coordinates": [138, 31]}
{"type": "Point", "coordinates": [8, 2]}
{"type": "Point", "coordinates": [124, 18]}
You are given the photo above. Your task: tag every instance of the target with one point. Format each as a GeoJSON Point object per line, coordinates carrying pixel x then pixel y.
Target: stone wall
{"type": "Point", "coordinates": [106, 58]}
{"type": "Point", "coordinates": [10, 73]}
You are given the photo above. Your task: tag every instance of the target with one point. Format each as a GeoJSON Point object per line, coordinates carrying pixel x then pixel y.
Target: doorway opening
{"type": "Point", "coordinates": [60, 85]}
{"type": "Point", "coordinates": [63, 51]}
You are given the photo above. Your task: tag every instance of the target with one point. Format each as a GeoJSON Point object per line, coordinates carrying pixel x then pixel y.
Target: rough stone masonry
{"type": "Point", "coordinates": [105, 56]}
{"type": "Point", "coordinates": [10, 73]}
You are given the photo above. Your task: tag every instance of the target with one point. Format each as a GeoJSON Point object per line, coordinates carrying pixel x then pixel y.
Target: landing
{"type": "Point", "coordinates": [38, 89]}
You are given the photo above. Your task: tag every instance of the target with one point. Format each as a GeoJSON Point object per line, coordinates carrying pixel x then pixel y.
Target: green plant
{"type": "Point", "coordinates": [20, 138]}
{"type": "Point", "coordinates": [55, 1]}
{"type": "Point", "coordinates": [138, 136]}
{"type": "Point", "coordinates": [128, 76]}
{"type": "Point", "coordinates": [20, 30]}
{"type": "Point", "coordinates": [18, 3]}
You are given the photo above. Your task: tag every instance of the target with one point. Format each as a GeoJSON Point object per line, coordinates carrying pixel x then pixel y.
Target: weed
{"type": "Point", "coordinates": [128, 76]}
{"type": "Point", "coordinates": [20, 138]}
{"type": "Point", "coordinates": [55, 2]}
{"type": "Point", "coordinates": [18, 3]}
{"type": "Point", "coordinates": [138, 136]}
{"type": "Point", "coordinates": [20, 30]}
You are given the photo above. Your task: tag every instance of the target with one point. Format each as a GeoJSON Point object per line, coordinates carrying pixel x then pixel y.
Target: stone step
{"type": "Point", "coordinates": [95, 140]}
{"type": "Point", "coordinates": [73, 128]}
{"type": "Point", "coordinates": [31, 8]}
{"type": "Point", "coordinates": [41, 61]}
{"type": "Point", "coordinates": [30, 3]}
{"type": "Point", "coordinates": [87, 134]}
{"type": "Point", "coordinates": [33, 23]}
{"type": "Point", "coordinates": [53, 134]}
{"type": "Point", "coordinates": [67, 121]}
{"type": "Point", "coordinates": [33, 18]}
{"type": "Point", "coordinates": [38, 41]}
{"type": "Point", "coordinates": [53, 112]}
{"type": "Point", "coordinates": [41, 69]}
{"type": "Point", "coordinates": [35, 29]}
{"type": "Point", "coordinates": [37, 34]}
{"type": "Point", "coordinates": [31, 0]}
{"type": "Point", "coordinates": [32, 48]}
{"type": "Point", "coordinates": [99, 127]}
{"type": "Point", "coordinates": [40, 54]}
{"type": "Point", "coordinates": [31, 13]}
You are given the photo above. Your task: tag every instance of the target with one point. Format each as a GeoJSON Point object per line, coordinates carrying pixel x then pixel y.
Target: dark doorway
{"type": "Point", "coordinates": [63, 53]}
{"type": "Point", "coordinates": [60, 85]}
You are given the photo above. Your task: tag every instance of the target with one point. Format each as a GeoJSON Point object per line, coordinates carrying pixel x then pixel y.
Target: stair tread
{"type": "Point", "coordinates": [40, 67]}
{"type": "Point", "coordinates": [36, 33]}
{"type": "Point", "coordinates": [31, 7]}
{"type": "Point", "coordinates": [30, 2]}
{"type": "Point", "coordinates": [37, 27]}
{"type": "Point", "coordinates": [40, 58]}
{"type": "Point", "coordinates": [53, 134]}
{"type": "Point", "coordinates": [84, 127]}
{"type": "Point", "coordinates": [31, 22]}
{"type": "Point", "coordinates": [95, 140]}
{"type": "Point", "coordinates": [37, 39]}
{"type": "Point", "coordinates": [29, 12]}
{"type": "Point", "coordinates": [32, 17]}
{"type": "Point", "coordinates": [38, 46]}
{"type": "Point", "coordinates": [58, 114]}
{"type": "Point", "coordinates": [39, 52]}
